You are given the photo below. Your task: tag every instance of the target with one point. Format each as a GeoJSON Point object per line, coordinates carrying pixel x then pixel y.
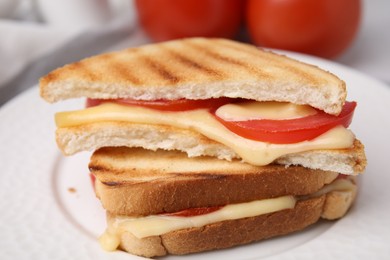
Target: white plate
{"type": "Point", "coordinates": [49, 211]}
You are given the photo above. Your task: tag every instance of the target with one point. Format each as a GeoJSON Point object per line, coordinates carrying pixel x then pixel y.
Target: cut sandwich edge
{"type": "Point", "coordinates": [231, 233]}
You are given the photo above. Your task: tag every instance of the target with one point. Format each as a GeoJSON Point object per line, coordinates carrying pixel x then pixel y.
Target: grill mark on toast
{"type": "Point", "coordinates": [102, 169]}
{"type": "Point", "coordinates": [96, 168]}
{"type": "Point", "coordinates": [193, 176]}
{"type": "Point", "coordinates": [112, 183]}
{"type": "Point", "coordinates": [246, 49]}
{"type": "Point", "coordinates": [188, 61]}
{"type": "Point", "coordinates": [303, 74]}
{"type": "Point", "coordinates": [229, 60]}
{"type": "Point", "coordinates": [160, 69]}
{"type": "Point", "coordinates": [215, 55]}
{"type": "Point", "coordinates": [126, 74]}
{"type": "Point", "coordinates": [121, 70]}
{"type": "Point", "coordinates": [253, 51]}
{"type": "Point", "coordinates": [82, 69]}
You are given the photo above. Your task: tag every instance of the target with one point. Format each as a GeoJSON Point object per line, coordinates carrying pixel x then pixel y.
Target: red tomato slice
{"type": "Point", "coordinates": [291, 130]}
{"type": "Point", "coordinates": [343, 176]}
{"type": "Point", "coordinates": [167, 105]}
{"type": "Point", "coordinates": [193, 212]}
{"type": "Point", "coordinates": [90, 102]}
{"type": "Point", "coordinates": [93, 180]}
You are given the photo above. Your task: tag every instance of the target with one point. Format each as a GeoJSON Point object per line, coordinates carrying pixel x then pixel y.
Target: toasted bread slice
{"type": "Point", "coordinates": [140, 182]}
{"type": "Point", "coordinates": [104, 134]}
{"type": "Point", "coordinates": [241, 231]}
{"type": "Point", "coordinates": [196, 68]}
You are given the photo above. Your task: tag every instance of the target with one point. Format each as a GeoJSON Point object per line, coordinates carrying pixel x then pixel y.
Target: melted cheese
{"type": "Point", "coordinates": [337, 185]}
{"type": "Point", "coordinates": [251, 110]}
{"type": "Point", "coordinates": [200, 120]}
{"type": "Point", "coordinates": [159, 224]}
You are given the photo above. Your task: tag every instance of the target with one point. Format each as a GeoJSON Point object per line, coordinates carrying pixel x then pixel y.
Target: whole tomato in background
{"type": "Point", "coordinates": [172, 19]}
{"type": "Point", "coordinates": [320, 27]}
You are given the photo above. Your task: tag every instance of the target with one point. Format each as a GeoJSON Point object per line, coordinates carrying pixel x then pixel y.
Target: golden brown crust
{"type": "Point", "coordinates": [351, 160]}
{"type": "Point", "coordinates": [332, 205]}
{"type": "Point", "coordinates": [360, 161]}
{"type": "Point", "coordinates": [146, 182]}
{"type": "Point", "coordinates": [196, 68]}
{"type": "Point", "coordinates": [227, 233]}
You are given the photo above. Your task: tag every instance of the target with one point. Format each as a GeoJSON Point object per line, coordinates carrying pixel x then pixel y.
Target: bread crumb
{"type": "Point", "coordinates": [72, 190]}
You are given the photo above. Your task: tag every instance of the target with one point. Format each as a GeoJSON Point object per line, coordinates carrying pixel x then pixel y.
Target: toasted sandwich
{"type": "Point", "coordinates": [201, 144]}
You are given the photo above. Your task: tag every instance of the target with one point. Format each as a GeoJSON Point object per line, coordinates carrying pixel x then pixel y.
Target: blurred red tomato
{"type": "Point", "coordinates": [172, 19]}
{"type": "Point", "coordinates": [320, 27]}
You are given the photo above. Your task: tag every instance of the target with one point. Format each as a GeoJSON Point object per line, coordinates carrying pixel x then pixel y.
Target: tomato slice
{"type": "Point", "coordinates": [193, 212]}
{"type": "Point", "coordinates": [167, 105]}
{"type": "Point", "coordinates": [343, 176]}
{"type": "Point", "coordinates": [93, 180]}
{"type": "Point", "coordinates": [290, 130]}
{"type": "Point", "coordinates": [264, 130]}
{"type": "Point", "coordinates": [91, 102]}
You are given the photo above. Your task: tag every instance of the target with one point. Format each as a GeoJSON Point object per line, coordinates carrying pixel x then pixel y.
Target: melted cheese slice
{"type": "Point", "coordinates": [159, 224]}
{"type": "Point", "coordinates": [337, 185]}
{"type": "Point", "coordinates": [251, 110]}
{"type": "Point", "coordinates": [200, 120]}
{"type": "Point", "coordinates": [155, 225]}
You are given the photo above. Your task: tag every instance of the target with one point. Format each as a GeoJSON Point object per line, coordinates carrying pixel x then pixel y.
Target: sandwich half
{"type": "Point", "coordinates": [162, 202]}
{"type": "Point", "coordinates": [206, 125]}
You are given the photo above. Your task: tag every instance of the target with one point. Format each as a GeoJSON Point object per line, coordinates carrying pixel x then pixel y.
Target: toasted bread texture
{"type": "Point", "coordinates": [237, 232]}
{"type": "Point", "coordinates": [196, 68]}
{"type": "Point", "coordinates": [138, 182]}
{"type": "Point", "coordinates": [113, 134]}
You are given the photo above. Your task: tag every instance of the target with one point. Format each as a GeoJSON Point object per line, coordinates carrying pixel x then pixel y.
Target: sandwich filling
{"type": "Point", "coordinates": [205, 121]}
{"type": "Point", "coordinates": [160, 224]}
